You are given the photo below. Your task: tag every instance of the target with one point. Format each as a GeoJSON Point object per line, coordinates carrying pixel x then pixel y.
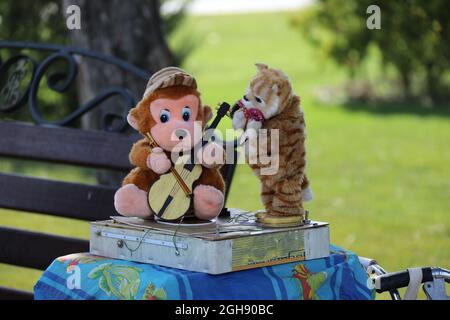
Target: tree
{"type": "Point", "coordinates": [138, 23]}
{"type": "Point", "coordinates": [131, 31]}
{"type": "Point", "coordinates": [414, 38]}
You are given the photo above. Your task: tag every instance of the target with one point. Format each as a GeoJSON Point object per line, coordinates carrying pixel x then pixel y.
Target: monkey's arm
{"type": "Point", "coordinates": [143, 157]}
{"type": "Point", "coordinates": [139, 154]}
{"type": "Point", "coordinates": [143, 179]}
{"type": "Point", "coordinates": [211, 177]}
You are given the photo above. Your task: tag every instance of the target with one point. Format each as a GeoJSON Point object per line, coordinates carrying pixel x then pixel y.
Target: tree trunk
{"type": "Point", "coordinates": [130, 30]}
{"type": "Point", "coordinates": [432, 82]}
{"type": "Point", "coordinates": [406, 84]}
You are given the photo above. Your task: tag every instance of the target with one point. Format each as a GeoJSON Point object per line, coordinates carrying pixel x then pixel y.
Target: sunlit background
{"type": "Point", "coordinates": [376, 104]}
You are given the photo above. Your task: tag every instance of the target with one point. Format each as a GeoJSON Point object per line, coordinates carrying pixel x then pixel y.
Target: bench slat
{"type": "Point", "coordinates": [36, 250]}
{"type": "Point", "coordinates": [64, 199]}
{"type": "Point", "coordinates": [66, 145]}
{"type": "Point", "coordinates": [14, 294]}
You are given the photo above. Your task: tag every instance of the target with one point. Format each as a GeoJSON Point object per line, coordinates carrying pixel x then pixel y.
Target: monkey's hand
{"type": "Point", "coordinates": [212, 155]}
{"type": "Point", "coordinates": [239, 120]}
{"type": "Point", "coordinates": [158, 161]}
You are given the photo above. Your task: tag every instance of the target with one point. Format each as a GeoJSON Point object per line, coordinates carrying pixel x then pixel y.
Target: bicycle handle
{"type": "Point", "coordinates": [400, 279]}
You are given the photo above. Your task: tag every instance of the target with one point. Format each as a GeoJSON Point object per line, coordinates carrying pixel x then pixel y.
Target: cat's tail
{"type": "Point", "coordinates": [307, 194]}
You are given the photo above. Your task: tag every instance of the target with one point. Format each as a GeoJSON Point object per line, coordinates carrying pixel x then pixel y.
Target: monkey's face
{"type": "Point", "coordinates": [175, 127]}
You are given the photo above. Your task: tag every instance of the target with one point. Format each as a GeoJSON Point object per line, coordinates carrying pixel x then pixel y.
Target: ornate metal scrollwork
{"type": "Point", "coordinates": [21, 76]}
{"type": "Point", "coordinates": [16, 75]}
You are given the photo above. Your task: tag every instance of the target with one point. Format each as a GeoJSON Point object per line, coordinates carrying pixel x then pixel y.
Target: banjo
{"type": "Point", "coordinates": [170, 197]}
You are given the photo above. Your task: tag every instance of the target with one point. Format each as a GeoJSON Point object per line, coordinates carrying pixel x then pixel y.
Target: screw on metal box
{"type": "Point", "coordinates": [120, 243]}
{"type": "Point", "coordinates": [306, 220]}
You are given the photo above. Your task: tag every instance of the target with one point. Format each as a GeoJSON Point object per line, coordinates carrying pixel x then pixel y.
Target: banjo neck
{"type": "Point", "coordinates": [221, 112]}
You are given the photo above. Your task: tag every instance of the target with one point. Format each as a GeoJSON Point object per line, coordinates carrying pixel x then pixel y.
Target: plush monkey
{"type": "Point", "coordinates": [270, 103]}
{"type": "Point", "coordinates": [171, 111]}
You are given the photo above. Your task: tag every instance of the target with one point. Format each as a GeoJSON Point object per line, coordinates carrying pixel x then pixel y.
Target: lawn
{"type": "Point", "coordinates": [381, 179]}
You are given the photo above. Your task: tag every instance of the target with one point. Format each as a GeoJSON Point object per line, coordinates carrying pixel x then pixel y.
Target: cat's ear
{"type": "Point", "coordinates": [261, 66]}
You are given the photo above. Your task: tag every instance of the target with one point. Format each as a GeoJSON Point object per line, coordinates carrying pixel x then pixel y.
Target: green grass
{"type": "Point", "coordinates": [381, 179]}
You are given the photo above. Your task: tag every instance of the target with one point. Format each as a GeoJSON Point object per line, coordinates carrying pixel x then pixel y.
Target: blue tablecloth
{"type": "Point", "coordinates": [85, 276]}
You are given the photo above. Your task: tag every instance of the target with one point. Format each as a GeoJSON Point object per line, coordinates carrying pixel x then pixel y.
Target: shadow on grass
{"type": "Point", "coordinates": [388, 108]}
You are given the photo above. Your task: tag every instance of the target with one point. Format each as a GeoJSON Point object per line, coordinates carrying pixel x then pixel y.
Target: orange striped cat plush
{"type": "Point", "coordinates": [270, 103]}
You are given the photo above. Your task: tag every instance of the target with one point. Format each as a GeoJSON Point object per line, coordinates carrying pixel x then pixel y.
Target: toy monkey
{"type": "Point", "coordinates": [171, 111]}
{"type": "Point", "coordinates": [270, 103]}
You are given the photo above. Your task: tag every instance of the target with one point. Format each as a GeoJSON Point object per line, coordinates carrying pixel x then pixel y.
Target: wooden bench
{"type": "Point", "coordinates": [58, 144]}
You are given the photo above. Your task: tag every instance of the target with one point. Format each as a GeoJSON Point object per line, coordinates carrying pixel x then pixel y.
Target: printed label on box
{"type": "Point", "coordinates": [249, 252]}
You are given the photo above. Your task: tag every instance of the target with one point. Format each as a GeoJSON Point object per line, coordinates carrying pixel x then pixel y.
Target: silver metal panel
{"type": "Point", "coordinates": [119, 241]}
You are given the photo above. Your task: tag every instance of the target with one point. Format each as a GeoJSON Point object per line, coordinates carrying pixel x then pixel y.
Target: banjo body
{"type": "Point", "coordinates": [166, 198]}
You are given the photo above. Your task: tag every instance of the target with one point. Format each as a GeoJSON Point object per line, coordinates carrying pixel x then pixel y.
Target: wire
{"type": "Point", "coordinates": [177, 252]}
{"type": "Point", "coordinates": [139, 244]}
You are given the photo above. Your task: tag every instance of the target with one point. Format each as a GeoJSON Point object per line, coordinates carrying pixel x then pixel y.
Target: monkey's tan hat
{"type": "Point", "coordinates": [169, 77]}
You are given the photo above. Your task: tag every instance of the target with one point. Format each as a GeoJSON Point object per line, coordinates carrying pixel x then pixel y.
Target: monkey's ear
{"type": "Point", "coordinates": [132, 120]}
{"type": "Point", "coordinates": [207, 114]}
{"type": "Point", "coordinates": [261, 66]}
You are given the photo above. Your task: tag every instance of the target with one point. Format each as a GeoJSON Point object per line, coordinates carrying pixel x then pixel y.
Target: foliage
{"type": "Point", "coordinates": [39, 21]}
{"type": "Point", "coordinates": [171, 22]}
{"type": "Point", "coordinates": [36, 21]}
{"type": "Point", "coordinates": [43, 21]}
{"type": "Point", "coordinates": [414, 38]}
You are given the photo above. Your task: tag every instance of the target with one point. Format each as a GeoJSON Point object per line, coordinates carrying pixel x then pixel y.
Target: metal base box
{"type": "Point", "coordinates": [224, 246]}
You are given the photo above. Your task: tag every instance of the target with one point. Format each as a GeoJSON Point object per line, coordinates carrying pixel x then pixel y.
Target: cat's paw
{"type": "Point", "coordinates": [253, 124]}
{"type": "Point", "coordinates": [239, 120]}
